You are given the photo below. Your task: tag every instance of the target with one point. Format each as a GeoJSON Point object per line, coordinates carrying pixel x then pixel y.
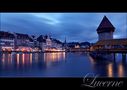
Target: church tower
{"type": "Point", "coordinates": [105, 29]}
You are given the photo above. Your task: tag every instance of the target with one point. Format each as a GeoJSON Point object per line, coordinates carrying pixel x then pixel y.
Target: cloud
{"type": "Point", "coordinates": [73, 26]}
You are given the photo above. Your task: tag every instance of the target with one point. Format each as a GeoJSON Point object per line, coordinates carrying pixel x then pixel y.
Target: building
{"type": "Point", "coordinates": [48, 43]}
{"type": "Point", "coordinates": [105, 29]}
{"type": "Point", "coordinates": [56, 43]}
{"type": "Point", "coordinates": [111, 44]}
{"type": "Point", "coordinates": [6, 41]}
{"type": "Point", "coordinates": [41, 42]}
{"type": "Point", "coordinates": [35, 43]}
{"type": "Point", "coordinates": [105, 37]}
{"type": "Point", "coordinates": [23, 42]}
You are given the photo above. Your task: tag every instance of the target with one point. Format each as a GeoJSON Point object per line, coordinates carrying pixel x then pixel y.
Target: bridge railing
{"type": "Point", "coordinates": [113, 50]}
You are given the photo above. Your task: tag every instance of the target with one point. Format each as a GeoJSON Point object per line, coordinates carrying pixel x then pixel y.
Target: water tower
{"type": "Point", "coordinates": [105, 29]}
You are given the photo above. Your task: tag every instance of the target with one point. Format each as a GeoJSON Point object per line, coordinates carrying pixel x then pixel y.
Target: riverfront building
{"type": "Point", "coordinates": [24, 42]}
{"type": "Point", "coordinates": [6, 41]}
{"type": "Point", "coordinates": [46, 43]}
{"type": "Point", "coordinates": [15, 42]}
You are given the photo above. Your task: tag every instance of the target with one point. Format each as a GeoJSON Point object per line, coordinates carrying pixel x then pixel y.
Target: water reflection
{"type": "Point", "coordinates": [25, 60]}
{"type": "Point", "coordinates": [120, 70]}
{"type": "Point", "coordinates": [6, 59]}
{"type": "Point", "coordinates": [108, 68]}
{"type": "Point", "coordinates": [53, 64]}
{"type": "Point", "coordinates": [30, 58]}
{"type": "Point", "coordinates": [36, 57]}
{"type": "Point", "coordinates": [54, 57]}
{"type": "Point", "coordinates": [17, 56]}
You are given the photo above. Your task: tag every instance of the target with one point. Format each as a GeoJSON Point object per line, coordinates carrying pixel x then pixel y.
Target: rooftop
{"type": "Point", "coordinates": [105, 26]}
{"type": "Point", "coordinates": [112, 42]}
{"type": "Point", "coordinates": [4, 34]}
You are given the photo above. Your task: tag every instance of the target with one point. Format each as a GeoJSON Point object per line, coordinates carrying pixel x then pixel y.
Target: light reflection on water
{"type": "Point", "coordinates": [110, 67]}
{"type": "Point", "coordinates": [61, 64]}
{"type": "Point", "coordinates": [110, 70]}
{"type": "Point", "coordinates": [52, 57]}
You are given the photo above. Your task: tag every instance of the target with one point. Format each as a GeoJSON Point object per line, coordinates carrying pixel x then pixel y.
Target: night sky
{"type": "Point", "coordinates": [79, 27]}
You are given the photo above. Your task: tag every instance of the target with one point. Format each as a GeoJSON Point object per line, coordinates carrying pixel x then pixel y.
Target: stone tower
{"type": "Point", "coordinates": [105, 29]}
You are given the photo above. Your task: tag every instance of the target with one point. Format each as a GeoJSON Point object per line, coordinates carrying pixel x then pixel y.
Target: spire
{"type": "Point", "coordinates": [65, 40]}
{"type": "Point", "coordinates": [105, 26]}
{"type": "Point", "coordinates": [65, 43]}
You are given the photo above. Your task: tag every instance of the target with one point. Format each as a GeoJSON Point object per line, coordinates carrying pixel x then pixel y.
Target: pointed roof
{"type": "Point", "coordinates": [4, 34]}
{"type": "Point", "coordinates": [41, 39]}
{"type": "Point", "coordinates": [105, 25]}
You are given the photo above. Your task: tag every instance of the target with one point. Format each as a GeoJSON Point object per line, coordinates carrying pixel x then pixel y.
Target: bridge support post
{"type": "Point", "coordinates": [114, 57]}
{"type": "Point", "coordinates": [124, 57]}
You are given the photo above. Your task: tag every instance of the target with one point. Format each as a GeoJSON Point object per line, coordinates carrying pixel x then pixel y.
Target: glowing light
{"type": "Point", "coordinates": [120, 70]}
{"type": "Point", "coordinates": [54, 49]}
{"type": "Point", "coordinates": [17, 58]}
{"type": "Point", "coordinates": [91, 60]}
{"type": "Point", "coordinates": [110, 70]}
{"type": "Point", "coordinates": [53, 57]}
{"type": "Point", "coordinates": [23, 59]}
{"type": "Point", "coordinates": [9, 59]}
{"type": "Point", "coordinates": [77, 46]}
{"type": "Point", "coordinates": [3, 58]}
{"type": "Point", "coordinates": [5, 48]}
{"type": "Point", "coordinates": [31, 58]}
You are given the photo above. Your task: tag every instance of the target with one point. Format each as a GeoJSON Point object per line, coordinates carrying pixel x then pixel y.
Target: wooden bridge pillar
{"type": "Point", "coordinates": [114, 57]}
{"type": "Point", "coordinates": [124, 57]}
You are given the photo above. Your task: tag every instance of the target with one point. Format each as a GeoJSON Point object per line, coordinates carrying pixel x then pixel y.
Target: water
{"type": "Point", "coordinates": [59, 65]}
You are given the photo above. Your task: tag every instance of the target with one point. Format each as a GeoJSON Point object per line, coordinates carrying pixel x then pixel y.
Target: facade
{"type": "Point", "coordinates": [47, 43]}
{"type": "Point", "coordinates": [6, 41]}
{"type": "Point", "coordinates": [23, 42]}
{"type": "Point", "coordinates": [41, 42]}
{"type": "Point", "coordinates": [15, 42]}
{"type": "Point", "coordinates": [35, 43]}
{"type": "Point", "coordinates": [56, 43]}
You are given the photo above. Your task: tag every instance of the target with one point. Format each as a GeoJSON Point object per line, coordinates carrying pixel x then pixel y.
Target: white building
{"type": "Point", "coordinates": [48, 43]}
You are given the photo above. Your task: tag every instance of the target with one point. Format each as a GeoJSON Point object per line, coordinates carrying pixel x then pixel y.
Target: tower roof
{"type": "Point", "coordinates": [105, 26]}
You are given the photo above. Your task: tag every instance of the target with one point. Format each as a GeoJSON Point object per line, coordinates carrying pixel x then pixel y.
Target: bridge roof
{"type": "Point", "coordinates": [112, 42]}
{"type": "Point", "coordinates": [105, 26]}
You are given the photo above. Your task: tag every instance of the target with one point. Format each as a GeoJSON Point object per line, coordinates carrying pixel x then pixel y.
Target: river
{"type": "Point", "coordinates": [59, 64]}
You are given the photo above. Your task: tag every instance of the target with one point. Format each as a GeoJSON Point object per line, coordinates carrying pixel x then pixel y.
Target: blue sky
{"type": "Point", "coordinates": [74, 26]}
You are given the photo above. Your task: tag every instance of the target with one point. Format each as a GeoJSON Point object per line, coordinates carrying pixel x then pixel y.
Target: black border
{"type": "Point", "coordinates": [63, 6]}
{"type": "Point", "coordinates": [54, 83]}
{"type": "Point", "coordinates": [57, 6]}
